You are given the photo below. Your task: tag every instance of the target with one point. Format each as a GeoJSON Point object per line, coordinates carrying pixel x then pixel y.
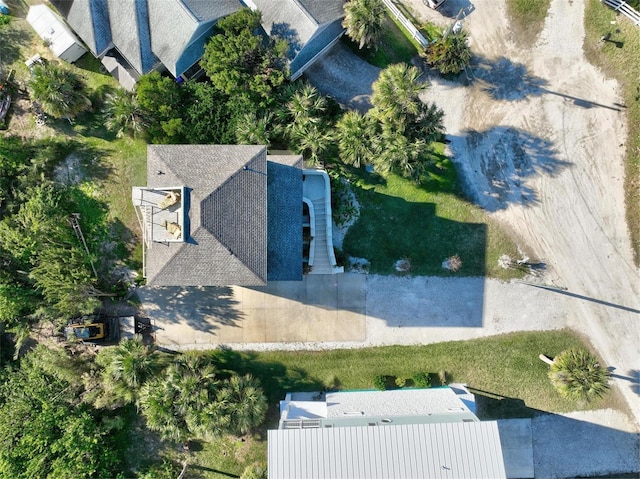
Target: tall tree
{"type": "Point", "coordinates": [396, 93]}
{"type": "Point", "coordinates": [45, 432]}
{"type": "Point", "coordinates": [59, 91]}
{"type": "Point", "coordinates": [123, 115]}
{"type": "Point", "coordinates": [355, 133]}
{"type": "Point", "coordinates": [162, 101]}
{"type": "Point", "coordinates": [450, 54]}
{"type": "Point", "coordinates": [126, 368]}
{"type": "Point", "coordinates": [364, 20]}
{"type": "Point", "coordinates": [307, 127]}
{"type": "Point", "coordinates": [239, 60]}
{"type": "Point", "coordinates": [193, 400]}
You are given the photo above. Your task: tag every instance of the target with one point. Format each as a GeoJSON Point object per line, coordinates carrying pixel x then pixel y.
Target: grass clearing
{"type": "Point", "coordinates": [505, 366]}
{"type": "Point", "coordinates": [425, 224]}
{"type": "Point", "coordinates": [623, 65]}
{"type": "Point", "coordinates": [503, 371]}
{"type": "Point", "coordinates": [393, 47]}
{"type": "Point", "coordinates": [527, 18]}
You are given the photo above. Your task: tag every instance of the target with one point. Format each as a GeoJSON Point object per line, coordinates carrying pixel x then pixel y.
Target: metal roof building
{"type": "Point", "coordinates": [460, 450]}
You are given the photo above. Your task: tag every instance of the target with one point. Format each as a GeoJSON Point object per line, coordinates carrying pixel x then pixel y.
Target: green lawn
{"type": "Point", "coordinates": [503, 371]}
{"type": "Point", "coordinates": [505, 366]}
{"type": "Point", "coordinates": [527, 18]}
{"type": "Point", "coordinates": [425, 224]}
{"type": "Point", "coordinates": [622, 64]}
{"type": "Point", "coordinates": [393, 47]}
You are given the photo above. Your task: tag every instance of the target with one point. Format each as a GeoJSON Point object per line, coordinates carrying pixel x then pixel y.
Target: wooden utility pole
{"type": "Point", "coordinates": [73, 219]}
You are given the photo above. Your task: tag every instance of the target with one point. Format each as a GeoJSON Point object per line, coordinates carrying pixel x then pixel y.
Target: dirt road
{"type": "Point", "coordinates": [538, 134]}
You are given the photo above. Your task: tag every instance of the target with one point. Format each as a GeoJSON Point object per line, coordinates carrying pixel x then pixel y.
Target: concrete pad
{"type": "Point", "coordinates": [517, 447]}
{"type": "Point", "coordinates": [352, 291]}
{"type": "Point", "coordinates": [286, 312]}
{"type": "Point", "coordinates": [585, 443]}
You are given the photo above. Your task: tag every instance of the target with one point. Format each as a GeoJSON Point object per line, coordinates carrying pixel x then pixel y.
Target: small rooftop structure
{"type": "Point", "coordinates": [52, 29]}
{"type": "Point", "coordinates": [370, 408]}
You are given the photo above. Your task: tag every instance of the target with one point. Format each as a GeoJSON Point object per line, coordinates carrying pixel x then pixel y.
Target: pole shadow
{"type": "Point", "coordinates": [504, 79]}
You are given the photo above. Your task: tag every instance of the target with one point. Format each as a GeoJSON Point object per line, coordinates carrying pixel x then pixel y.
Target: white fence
{"type": "Point", "coordinates": [625, 9]}
{"type": "Point", "coordinates": [413, 31]}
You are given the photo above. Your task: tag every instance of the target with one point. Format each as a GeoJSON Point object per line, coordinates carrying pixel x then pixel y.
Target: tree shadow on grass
{"type": "Point", "coordinates": [391, 228]}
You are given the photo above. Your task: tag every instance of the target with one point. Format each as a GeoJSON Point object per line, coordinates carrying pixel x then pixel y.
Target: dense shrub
{"type": "Point", "coordinates": [421, 380]}
{"type": "Point", "coordinates": [380, 382]}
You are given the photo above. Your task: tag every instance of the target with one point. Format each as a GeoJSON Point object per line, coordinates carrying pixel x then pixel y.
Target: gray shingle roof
{"type": "Point", "coordinates": [180, 28]}
{"type": "Point", "coordinates": [89, 19]}
{"type": "Point", "coordinates": [226, 233]}
{"type": "Point", "coordinates": [300, 22]}
{"type": "Point", "coordinates": [323, 10]}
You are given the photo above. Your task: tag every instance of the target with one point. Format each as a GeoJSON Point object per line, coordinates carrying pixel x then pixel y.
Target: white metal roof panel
{"type": "Point", "coordinates": [447, 450]}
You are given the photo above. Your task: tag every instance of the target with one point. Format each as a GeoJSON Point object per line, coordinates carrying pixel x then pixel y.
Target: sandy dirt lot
{"type": "Point", "coordinates": [538, 134]}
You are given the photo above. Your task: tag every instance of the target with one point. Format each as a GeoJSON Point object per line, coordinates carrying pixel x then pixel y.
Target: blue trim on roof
{"type": "Point", "coordinates": [194, 51]}
{"type": "Point", "coordinates": [315, 45]}
{"type": "Point", "coordinates": [147, 58]}
{"type": "Point", "coordinates": [284, 222]}
{"type": "Point", "coordinates": [100, 23]}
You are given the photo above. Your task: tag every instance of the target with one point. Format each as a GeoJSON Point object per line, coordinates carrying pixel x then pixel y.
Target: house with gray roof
{"type": "Point", "coordinates": [311, 27]}
{"type": "Point", "coordinates": [135, 37]}
{"type": "Point", "coordinates": [405, 433]}
{"type": "Point", "coordinates": [218, 215]}
{"type": "Point", "coordinates": [223, 215]}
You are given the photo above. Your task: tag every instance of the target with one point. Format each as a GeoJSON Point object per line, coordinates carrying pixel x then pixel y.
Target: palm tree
{"type": "Point", "coordinates": [450, 54]}
{"type": "Point", "coordinates": [396, 93]}
{"type": "Point", "coordinates": [306, 105]}
{"type": "Point", "coordinates": [312, 141]}
{"type": "Point", "coordinates": [175, 404]}
{"type": "Point", "coordinates": [397, 152]}
{"type": "Point", "coordinates": [243, 402]}
{"type": "Point", "coordinates": [355, 133]}
{"type": "Point", "coordinates": [58, 90]}
{"type": "Point", "coordinates": [428, 125]}
{"type": "Point", "coordinates": [363, 20]}
{"type": "Point", "coordinates": [306, 126]}
{"type": "Point", "coordinates": [123, 114]}
{"type": "Point", "coordinates": [254, 130]}
{"type": "Point", "coordinates": [578, 375]}
{"type": "Point", "coordinates": [127, 367]}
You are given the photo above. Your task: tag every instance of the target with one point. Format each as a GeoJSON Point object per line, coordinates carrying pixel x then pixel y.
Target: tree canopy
{"type": "Point", "coordinates": [45, 432]}
{"type": "Point", "coordinates": [237, 60]}
{"type": "Point", "coordinates": [450, 54]}
{"type": "Point", "coordinates": [59, 91]}
{"type": "Point", "coordinates": [195, 400]}
{"type": "Point", "coordinates": [364, 21]}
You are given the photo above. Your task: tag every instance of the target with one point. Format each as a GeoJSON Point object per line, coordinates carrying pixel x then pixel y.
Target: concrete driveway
{"type": "Point", "coordinates": [326, 308]}
{"type": "Point", "coordinates": [347, 311]}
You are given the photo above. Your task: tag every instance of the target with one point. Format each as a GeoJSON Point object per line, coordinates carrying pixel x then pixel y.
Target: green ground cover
{"type": "Point", "coordinates": [618, 59]}
{"type": "Point", "coordinates": [527, 18]}
{"type": "Point", "coordinates": [503, 371]}
{"type": "Point", "coordinates": [393, 47]}
{"type": "Point", "coordinates": [505, 366]}
{"type": "Point", "coordinates": [425, 224]}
